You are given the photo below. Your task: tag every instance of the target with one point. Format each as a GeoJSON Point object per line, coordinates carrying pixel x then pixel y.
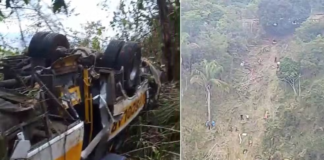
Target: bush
{"type": "Point", "coordinates": [309, 30]}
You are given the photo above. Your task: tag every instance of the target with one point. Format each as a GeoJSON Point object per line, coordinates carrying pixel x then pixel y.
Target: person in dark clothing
{"type": "Point", "coordinates": [208, 124]}
{"type": "Point", "coordinates": [274, 41]}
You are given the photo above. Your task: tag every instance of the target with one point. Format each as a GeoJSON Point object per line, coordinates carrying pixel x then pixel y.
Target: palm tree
{"type": "Point", "coordinates": [206, 75]}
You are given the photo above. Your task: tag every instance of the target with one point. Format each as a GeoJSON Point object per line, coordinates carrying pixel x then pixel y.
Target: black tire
{"type": "Point", "coordinates": [128, 55]}
{"type": "Point", "coordinates": [52, 41]}
{"type": "Point", "coordinates": [44, 44]}
{"type": "Point", "coordinates": [34, 48]}
{"type": "Point", "coordinates": [130, 58]}
{"type": "Point", "coordinates": [111, 54]}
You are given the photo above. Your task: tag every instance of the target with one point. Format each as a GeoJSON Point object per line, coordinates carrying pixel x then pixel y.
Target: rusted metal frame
{"type": "Point", "coordinates": [88, 101]}
{"type": "Point", "coordinates": [44, 107]}
{"type": "Point", "coordinates": [48, 91]}
{"type": "Point", "coordinates": [21, 125]}
{"type": "Point", "coordinates": [112, 82]}
{"type": "Point", "coordinates": [66, 70]}
{"type": "Point", "coordinates": [110, 99]}
{"type": "Point", "coordinates": [12, 82]}
{"type": "Point", "coordinates": [14, 73]}
{"type": "Point", "coordinates": [62, 62]}
{"type": "Point", "coordinates": [99, 140]}
{"type": "Point", "coordinates": [13, 67]}
{"type": "Point", "coordinates": [8, 95]}
{"type": "Point", "coordinates": [106, 111]}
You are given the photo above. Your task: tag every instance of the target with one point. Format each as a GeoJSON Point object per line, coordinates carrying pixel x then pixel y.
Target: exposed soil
{"type": "Point", "coordinates": [257, 92]}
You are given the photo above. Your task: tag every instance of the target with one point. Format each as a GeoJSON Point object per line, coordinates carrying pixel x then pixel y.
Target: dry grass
{"type": "Point", "coordinates": [223, 142]}
{"type": "Point", "coordinates": [156, 133]}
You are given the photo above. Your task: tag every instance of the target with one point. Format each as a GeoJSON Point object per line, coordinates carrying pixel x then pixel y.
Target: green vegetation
{"type": "Point", "coordinates": [281, 17]}
{"type": "Point", "coordinates": [156, 138]}
{"type": "Point", "coordinates": [289, 72]}
{"type": "Point", "coordinates": [206, 76]}
{"type": "Point", "coordinates": [156, 133]}
{"type": "Point", "coordinates": [284, 105]}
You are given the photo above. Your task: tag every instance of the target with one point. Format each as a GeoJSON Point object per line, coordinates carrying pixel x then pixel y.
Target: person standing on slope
{"type": "Point", "coordinates": [277, 62]}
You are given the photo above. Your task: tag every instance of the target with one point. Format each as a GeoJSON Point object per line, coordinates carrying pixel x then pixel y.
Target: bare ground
{"type": "Point", "coordinates": [258, 92]}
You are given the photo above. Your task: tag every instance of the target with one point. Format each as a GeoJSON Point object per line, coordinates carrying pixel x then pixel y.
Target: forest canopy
{"type": "Point", "coordinates": [282, 17]}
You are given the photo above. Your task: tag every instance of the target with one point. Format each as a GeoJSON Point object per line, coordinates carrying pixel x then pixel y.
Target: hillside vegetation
{"type": "Point", "coordinates": [155, 25]}
{"type": "Point", "coordinates": [261, 112]}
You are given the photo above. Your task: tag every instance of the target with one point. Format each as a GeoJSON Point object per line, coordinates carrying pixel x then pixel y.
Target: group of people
{"type": "Point", "coordinates": [210, 124]}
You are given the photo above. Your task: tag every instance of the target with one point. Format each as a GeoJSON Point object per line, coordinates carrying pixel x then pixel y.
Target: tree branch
{"type": "Point", "coordinates": [22, 37]}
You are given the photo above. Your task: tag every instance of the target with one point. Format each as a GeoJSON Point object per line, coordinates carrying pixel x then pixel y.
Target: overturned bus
{"type": "Point", "coordinates": [59, 103]}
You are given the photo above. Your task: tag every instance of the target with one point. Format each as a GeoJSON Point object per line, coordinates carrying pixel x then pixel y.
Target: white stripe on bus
{"type": "Point", "coordinates": [55, 147]}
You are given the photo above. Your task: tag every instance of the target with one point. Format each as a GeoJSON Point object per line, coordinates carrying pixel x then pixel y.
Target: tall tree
{"type": "Point", "coordinates": [169, 14]}
{"type": "Point", "coordinates": [206, 75]}
{"type": "Point", "coordinates": [289, 72]}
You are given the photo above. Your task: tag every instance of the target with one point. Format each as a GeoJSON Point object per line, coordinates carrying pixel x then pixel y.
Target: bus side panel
{"type": "Point", "coordinates": [67, 146]}
{"type": "Point", "coordinates": [131, 110]}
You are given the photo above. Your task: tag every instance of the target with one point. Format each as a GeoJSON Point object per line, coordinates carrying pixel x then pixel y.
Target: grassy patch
{"type": "Point", "coordinates": [156, 133]}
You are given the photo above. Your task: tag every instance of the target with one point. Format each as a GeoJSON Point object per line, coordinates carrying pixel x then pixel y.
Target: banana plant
{"type": "Point", "coordinates": [207, 75]}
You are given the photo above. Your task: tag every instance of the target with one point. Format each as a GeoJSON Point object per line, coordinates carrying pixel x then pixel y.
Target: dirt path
{"type": "Point", "coordinates": [260, 88]}
{"type": "Point", "coordinates": [258, 92]}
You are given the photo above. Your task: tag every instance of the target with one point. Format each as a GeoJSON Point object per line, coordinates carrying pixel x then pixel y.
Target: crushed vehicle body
{"type": "Point", "coordinates": [58, 103]}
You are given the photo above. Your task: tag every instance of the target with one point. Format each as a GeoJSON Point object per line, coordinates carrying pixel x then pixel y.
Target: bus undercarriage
{"type": "Point", "coordinates": [58, 103]}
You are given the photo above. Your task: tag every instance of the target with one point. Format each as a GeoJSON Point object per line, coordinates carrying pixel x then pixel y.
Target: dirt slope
{"type": "Point", "coordinates": [258, 90]}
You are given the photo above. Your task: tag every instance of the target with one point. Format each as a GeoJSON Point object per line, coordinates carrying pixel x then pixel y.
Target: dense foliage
{"type": "Point", "coordinates": [281, 17]}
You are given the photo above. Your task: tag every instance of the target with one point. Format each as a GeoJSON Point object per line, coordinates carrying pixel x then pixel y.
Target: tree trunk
{"type": "Point", "coordinates": [171, 50]}
{"type": "Point", "coordinates": [186, 87]}
{"type": "Point", "coordinates": [190, 64]}
{"type": "Point", "coordinates": [294, 89]}
{"type": "Point", "coordinates": [299, 89]}
{"type": "Point", "coordinates": [208, 105]}
{"type": "Point", "coordinates": [292, 85]}
{"type": "Point", "coordinates": [231, 71]}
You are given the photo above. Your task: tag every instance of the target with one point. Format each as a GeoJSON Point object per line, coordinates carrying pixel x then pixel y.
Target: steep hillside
{"type": "Point", "coordinates": [282, 108]}
{"type": "Point", "coordinates": [256, 92]}
{"type": "Point", "coordinates": [293, 128]}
